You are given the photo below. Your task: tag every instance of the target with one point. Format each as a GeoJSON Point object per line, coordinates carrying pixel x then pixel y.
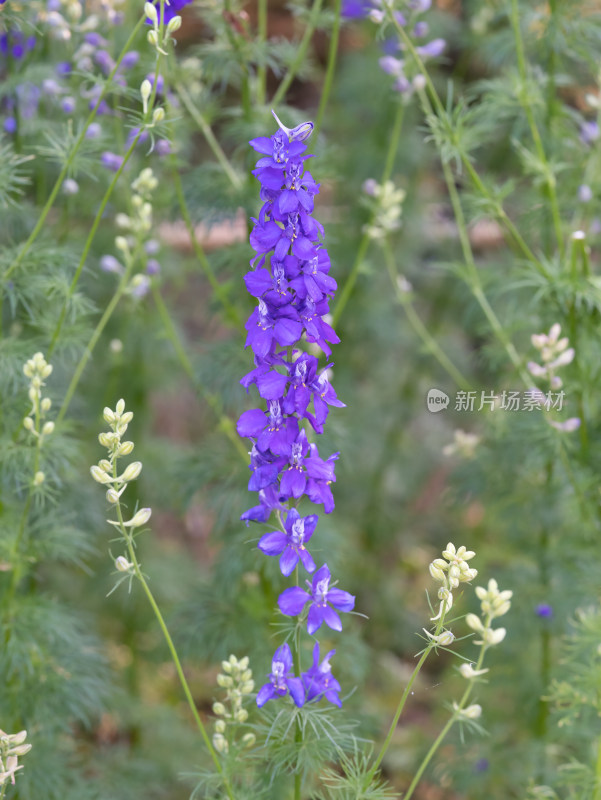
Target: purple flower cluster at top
{"type": "Point", "coordinates": [290, 279]}
{"type": "Point", "coordinates": [171, 8]}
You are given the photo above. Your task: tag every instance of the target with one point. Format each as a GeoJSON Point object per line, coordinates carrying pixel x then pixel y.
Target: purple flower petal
{"type": "Point", "coordinates": [292, 601]}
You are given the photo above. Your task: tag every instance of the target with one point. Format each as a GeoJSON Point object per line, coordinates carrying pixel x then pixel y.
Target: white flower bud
{"type": "Point", "coordinates": [226, 666]}
{"type": "Point", "coordinates": [225, 681]}
{"type": "Point", "coordinates": [158, 115]}
{"type": "Point", "coordinates": [471, 712]}
{"type": "Point", "coordinates": [28, 424]}
{"type": "Point", "coordinates": [249, 739]}
{"type": "Point", "coordinates": [243, 664]}
{"type": "Point", "coordinates": [246, 675]}
{"type": "Point", "coordinates": [122, 564]}
{"type": "Point", "coordinates": [219, 709]}
{"type": "Point", "coordinates": [131, 472]}
{"type": "Point", "coordinates": [39, 478]}
{"type": "Point", "coordinates": [109, 415]}
{"type": "Point", "coordinates": [100, 475]}
{"type": "Point", "coordinates": [17, 738]}
{"type": "Point", "coordinates": [126, 418]}
{"type": "Point", "coordinates": [48, 428]}
{"type": "Point", "coordinates": [113, 496]}
{"type": "Point", "coordinates": [220, 743]}
{"type": "Point", "coordinates": [436, 572]}
{"type": "Point", "coordinates": [468, 672]}
{"type": "Point", "coordinates": [220, 726]}
{"type": "Point", "coordinates": [105, 464]}
{"type": "Point", "coordinates": [120, 407]}
{"type": "Point", "coordinates": [241, 715]}
{"type": "Point", "coordinates": [247, 687]}
{"type": "Point", "coordinates": [474, 622]}
{"type": "Point", "coordinates": [174, 24]}
{"type": "Point", "coordinates": [20, 750]}
{"type": "Point", "coordinates": [444, 639]}
{"type": "Point", "coordinates": [140, 518]}
{"type": "Point", "coordinates": [145, 90]}
{"type": "Point", "coordinates": [153, 38]}
{"type": "Point", "coordinates": [151, 13]}
{"type": "Point", "coordinates": [125, 448]}
{"type": "Point", "coordinates": [46, 404]}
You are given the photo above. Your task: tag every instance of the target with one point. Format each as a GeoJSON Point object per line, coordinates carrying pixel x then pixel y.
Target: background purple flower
{"type": "Point", "coordinates": [281, 682]}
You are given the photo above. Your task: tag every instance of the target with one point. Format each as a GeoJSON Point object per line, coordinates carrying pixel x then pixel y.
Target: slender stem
{"type": "Point", "coordinates": [298, 734]}
{"type": "Point", "coordinates": [300, 55]}
{"type": "Point", "coordinates": [205, 264]}
{"type": "Point", "coordinates": [234, 41]}
{"type": "Point", "coordinates": [172, 650]}
{"type": "Point", "coordinates": [429, 647]}
{"type": "Point", "coordinates": [500, 212]}
{"type": "Point", "coordinates": [67, 166]}
{"type": "Point", "coordinates": [418, 326]}
{"type": "Point", "coordinates": [88, 243]}
{"type": "Point", "coordinates": [225, 423]}
{"type": "Point", "coordinates": [455, 716]}
{"type": "Point", "coordinates": [204, 126]}
{"type": "Point", "coordinates": [93, 341]}
{"type": "Point", "coordinates": [332, 54]}
{"type": "Point", "coordinates": [597, 795]}
{"type": "Point", "coordinates": [349, 284]}
{"type": "Point", "coordinates": [262, 68]}
{"type": "Point", "coordinates": [536, 137]}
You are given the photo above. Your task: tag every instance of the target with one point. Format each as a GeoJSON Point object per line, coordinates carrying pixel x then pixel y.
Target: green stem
{"type": "Point", "coordinates": [225, 423]}
{"type": "Point", "coordinates": [298, 734]}
{"type": "Point", "coordinates": [500, 212]}
{"type": "Point", "coordinates": [207, 132]}
{"type": "Point", "coordinates": [300, 55]}
{"type": "Point", "coordinates": [262, 68]}
{"type": "Point", "coordinates": [399, 710]}
{"type": "Point", "coordinates": [437, 742]}
{"type": "Point", "coordinates": [88, 244]}
{"type": "Point", "coordinates": [174, 655]}
{"type": "Point", "coordinates": [349, 284]}
{"type": "Point", "coordinates": [535, 133]}
{"type": "Point", "coordinates": [234, 41]}
{"type": "Point", "coordinates": [597, 795]}
{"type": "Point", "coordinates": [205, 264]}
{"type": "Point", "coordinates": [67, 166]}
{"type": "Point", "coordinates": [332, 54]}
{"type": "Point", "coordinates": [418, 326]}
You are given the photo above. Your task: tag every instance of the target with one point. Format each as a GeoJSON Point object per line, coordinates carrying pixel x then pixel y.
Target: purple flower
{"type": "Point", "coordinates": [544, 610]}
{"type": "Point", "coordinates": [433, 49]}
{"type": "Point", "coordinates": [292, 601]}
{"type": "Point", "coordinates": [291, 545]}
{"type": "Point", "coordinates": [589, 132]}
{"type": "Point", "coordinates": [280, 681]}
{"type": "Point", "coordinates": [319, 681]}
{"type": "Point", "coordinates": [111, 160]}
{"type": "Point", "coordinates": [272, 430]}
{"type": "Point", "coordinates": [170, 9]}
{"type": "Point", "coordinates": [10, 125]}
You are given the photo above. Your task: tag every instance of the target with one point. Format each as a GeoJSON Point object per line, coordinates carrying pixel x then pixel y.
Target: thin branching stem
{"type": "Point", "coordinates": [430, 343]}
{"type": "Point", "coordinates": [207, 132]}
{"type": "Point", "coordinates": [453, 719]}
{"type": "Point", "coordinates": [534, 131]}
{"type": "Point", "coordinates": [399, 710]}
{"type": "Point", "coordinates": [349, 284]}
{"type": "Point", "coordinates": [128, 538]}
{"type": "Point", "coordinates": [330, 69]}
{"type": "Point", "coordinates": [225, 423]}
{"type": "Point", "coordinates": [301, 54]}
{"type": "Point", "coordinates": [74, 150]}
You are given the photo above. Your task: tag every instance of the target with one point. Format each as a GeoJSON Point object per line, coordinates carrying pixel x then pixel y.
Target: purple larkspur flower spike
{"type": "Point", "coordinates": [291, 544]}
{"type": "Point", "coordinates": [281, 682]}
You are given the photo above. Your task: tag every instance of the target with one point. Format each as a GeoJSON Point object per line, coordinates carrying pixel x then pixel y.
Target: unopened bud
{"type": "Point", "coordinates": [46, 404]}
{"type": "Point", "coordinates": [125, 448]}
{"type": "Point", "coordinates": [220, 743]}
{"type": "Point", "coordinates": [28, 424]}
{"type": "Point", "coordinates": [241, 715]}
{"type": "Point", "coordinates": [151, 13]}
{"type": "Point", "coordinates": [249, 739]}
{"type": "Point", "coordinates": [145, 90]}
{"type": "Point", "coordinates": [140, 518]}
{"type": "Point", "coordinates": [48, 428]}
{"type": "Point", "coordinates": [122, 564]}
{"type": "Point", "coordinates": [174, 24]}
{"type": "Point", "coordinates": [39, 478]}
{"type": "Point", "coordinates": [152, 38]}
{"type": "Point", "coordinates": [131, 471]}
{"type": "Point", "coordinates": [220, 726]}
{"type": "Point", "coordinates": [226, 666]}
{"type": "Point", "coordinates": [112, 496]}
{"type": "Point", "coordinates": [158, 115]}
{"type": "Point", "coordinates": [219, 709]}
{"type": "Point", "coordinates": [225, 681]}
{"type": "Point", "coordinates": [120, 407]}
{"type": "Point", "coordinates": [105, 464]}
{"type": "Point", "coordinates": [243, 663]}
{"type": "Point", "coordinates": [100, 475]}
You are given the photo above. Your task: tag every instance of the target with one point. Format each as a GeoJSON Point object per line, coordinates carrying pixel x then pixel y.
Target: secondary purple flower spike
{"type": "Point", "coordinates": [280, 681]}
{"type": "Point", "coordinates": [292, 602]}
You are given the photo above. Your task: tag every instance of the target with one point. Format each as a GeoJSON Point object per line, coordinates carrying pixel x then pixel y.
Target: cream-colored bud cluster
{"type": "Point", "coordinates": [494, 603]}
{"type": "Point", "coordinates": [37, 370]}
{"type": "Point", "coordinates": [386, 203]}
{"type": "Point", "coordinates": [471, 713]}
{"type": "Point", "coordinates": [159, 36]}
{"type": "Point", "coordinates": [451, 570]}
{"type": "Point", "coordinates": [554, 352]}
{"type": "Point", "coordinates": [464, 444]}
{"type": "Point", "coordinates": [12, 747]}
{"type": "Point", "coordinates": [236, 679]}
{"type": "Point", "coordinates": [106, 473]}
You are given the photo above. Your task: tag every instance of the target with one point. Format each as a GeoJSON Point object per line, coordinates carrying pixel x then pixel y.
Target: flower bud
{"type": "Point", "coordinates": [220, 743]}
{"type": "Point", "coordinates": [46, 404]}
{"type": "Point", "coordinates": [28, 423]}
{"type": "Point", "coordinates": [120, 407]}
{"type": "Point", "coordinates": [474, 622]}
{"type": "Point", "coordinates": [152, 37]}
{"type": "Point", "coordinates": [17, 738]}
{"type": "Point", "coordinates": [126, 418]}
{"type": "Point", "coordinates": [48, 428]}
{"type": "Point", "coordinates": [100, 475]}
{"type": "Point", "coordinates": [122, 564]}
{"type": "Point", "coordinates": [247, 687]}
{"type": "Point", "coordinates": [39, 478]}
{"type": "Point", "coordinates": [174, 24]}
{"type": "Point", "coordinates": [472, 712]}
{"type": "Point", "coordinates": [20, 750]}
{"type": "Point", "coordinates": [249, 739]}
{"type": "Point", "coordinates": [125, 448]}
{"type": "Point", "coordinates": [151, 13]}
{"type": "Point", "coordinates": [112, 496]}
{"type": "Point", "coordinates": [243, 663]}
{"type": "Point", "coordinates": [158, 115]}
{"type": "Point", "coordinates": [468, 671]}
{"type": "Point", "coordinates": [219, 709]}
{"type": "Point", "coordinates": [139, 519]}
{"type": "Point", "coordinates": [131, 472]}
{"type": "Point", "coordinates": [109, 415]}
{"type": "Point", "coordinates": [145, 90]}
{"type": "Point", "coordinates": [105, 464]}
{"type": "Point", "coordinates": [226, 666]}
{"type": "Point", "coordinates": [436, 572]}
{"type": "Point", "coordinates": [225, 681]}
{"type": "Point", "coordinates": [220, 726]}
{"type": "Point", "coordinates": [241, 715]}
